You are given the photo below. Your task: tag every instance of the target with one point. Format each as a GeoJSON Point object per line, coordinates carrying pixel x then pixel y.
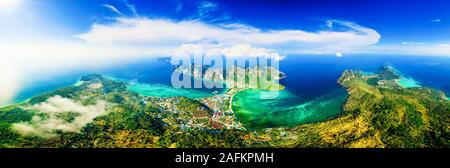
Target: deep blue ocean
{"type": "Point", "coordinates": [307, 76]}
{"type": "Point", "coordinates": [312, 76]}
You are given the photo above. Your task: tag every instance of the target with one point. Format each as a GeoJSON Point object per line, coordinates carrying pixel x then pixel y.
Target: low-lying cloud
{"type": "Point", "coordinates": [53, 109]}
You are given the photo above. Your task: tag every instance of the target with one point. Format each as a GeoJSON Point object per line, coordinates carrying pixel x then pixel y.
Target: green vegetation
{"type": "Point", "coordinates": [387, 72]}
{"type": "Point", "coordinates": [14, 114]}
{"type": "Point", "coordinates": [193, 107]}
{"type": "Point", "coordinates": [69, 117]}
{"type": "Point", "coordinates": [375, 116]}
{"type": "Point", "coordinates": [385, 117]}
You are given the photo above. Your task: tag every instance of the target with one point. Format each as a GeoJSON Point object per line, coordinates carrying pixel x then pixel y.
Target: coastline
{"type": "Point", "coordinates": [407, 82]}
{"type": "Point", "coordinates": [153, 89]}
{"type": "Point", "coordinates": [230, 105]}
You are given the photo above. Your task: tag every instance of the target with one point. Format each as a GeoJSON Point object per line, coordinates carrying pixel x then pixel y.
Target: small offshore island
{"type": "Point", "coordinates": [100, 112]}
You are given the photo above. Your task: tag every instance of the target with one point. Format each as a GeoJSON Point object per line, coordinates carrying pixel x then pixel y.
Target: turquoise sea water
{"type": "Point", "coordinates": [408, 82]}
{"type": "Point", "coordinates": [160, 90]}
{"type": "Point", "coordinates": [286, 110]}
{"type": "Point", "coordinates": [313, 94]}
{"type": "Point", "coordinates": [45, 84]}
{"type": "Point", "coordinates": [404, 81]}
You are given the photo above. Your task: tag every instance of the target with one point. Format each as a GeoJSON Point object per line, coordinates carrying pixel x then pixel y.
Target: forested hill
{"type": "Point", "coordinates": [384, 114]}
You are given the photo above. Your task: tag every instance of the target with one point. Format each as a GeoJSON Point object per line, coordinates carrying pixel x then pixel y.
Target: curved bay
{"type": "Point", "coordinates": [287, 109]}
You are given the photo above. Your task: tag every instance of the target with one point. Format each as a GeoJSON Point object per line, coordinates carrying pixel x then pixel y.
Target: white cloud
{"type": "Point", "coordinates": [339, 54]}
{"type": "Point", "coordinates": [235, 51]}
{"type": "Point", "coordinates": [443, 45]}
{"type": "Point", "coordinates": [56, 106]}
{"type": "Point", "coordinates": [436, 20]}
{"type": "Point", "coordinates": [245, 50]}
{"type": "Point", "coordinates": [412, 43]}
{"type": "Point", "coordinates": [157, 32]}
{"type": "Point", "coordinates": [114, 9]}
{"type": "Point", "coordinates": [207, 4]}
{"type": "Point", "coordinates": [329, 24]}
{"type": "Point", "coordinates": [204, 7]}
{"type": "Point", "coordinates": [412, 50]}
{"type": "Point", "coordinates": [132, 8]}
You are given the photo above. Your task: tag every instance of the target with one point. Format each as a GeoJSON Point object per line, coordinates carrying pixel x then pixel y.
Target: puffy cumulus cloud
{"type": "Point", "coordinates": [62, 114]}
{"type": "Point", "coordinates": [245, 50]}
{"type": "Point", "coordinates": [157, 32]}
{"type": "Point", "coordinates": [234, 51]}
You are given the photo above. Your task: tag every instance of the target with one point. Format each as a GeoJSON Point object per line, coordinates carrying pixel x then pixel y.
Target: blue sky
{"type": "Point", "coordinates": [399, 21]}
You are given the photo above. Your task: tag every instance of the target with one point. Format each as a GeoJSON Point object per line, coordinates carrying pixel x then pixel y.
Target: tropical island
{"type": "Point", "coordinates": [99, 112]}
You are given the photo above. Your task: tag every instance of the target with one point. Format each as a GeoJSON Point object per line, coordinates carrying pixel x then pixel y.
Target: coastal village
{"type": "Point", "coordinates": [214, 112]}
{"type": "Point", "coordinates": [104, 113]}
{"type": "Point", "coordinates": [220, 104]}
